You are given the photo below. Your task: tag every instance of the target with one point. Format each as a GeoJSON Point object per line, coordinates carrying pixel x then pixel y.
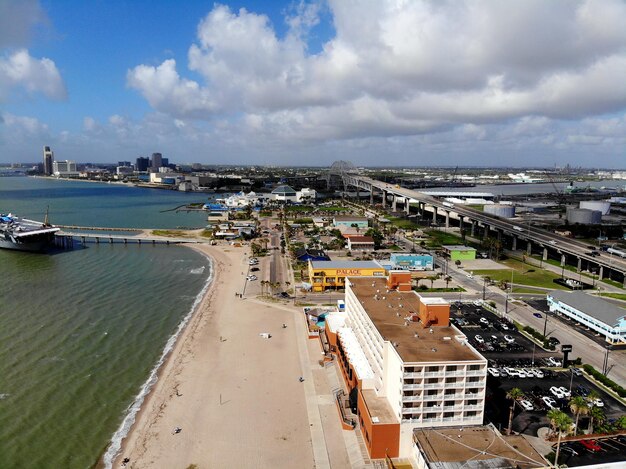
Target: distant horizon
{"type": "Point", "coordinates": [269, 83]}
{"type": "Point", "coordinates": [495, 168]}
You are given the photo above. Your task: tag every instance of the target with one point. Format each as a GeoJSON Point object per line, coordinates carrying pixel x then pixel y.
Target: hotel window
{"type": "Point", "coordinates": [470, 414]}
{"type": "Point", "coordinates": [452, 368]}
{"type": "Point", "coordinates": [432, 380]}
{"type": "Point", "coordinates": [448, 403]}
{"type": "Point", "coordinates": [450, 380]}
{"type": "Point", "coordinates": [430, 416]}
{"type": "Point", "coordinates": [432, 369]}
{"type": "Point", "coordinates": [448, 415]}
{"type": "Point", "coordinates": [474, 367]}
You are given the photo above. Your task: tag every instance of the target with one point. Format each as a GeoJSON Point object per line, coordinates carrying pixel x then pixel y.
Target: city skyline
{"type": "Point", "coordinates": [286, 83]}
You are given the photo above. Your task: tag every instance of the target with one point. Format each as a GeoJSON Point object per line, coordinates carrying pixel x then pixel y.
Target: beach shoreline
{"type": "Point", "coordinates": [220, 359]}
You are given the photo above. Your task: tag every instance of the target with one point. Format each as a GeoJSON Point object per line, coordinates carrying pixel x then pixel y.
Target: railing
{"type": "Point", "coordinates": [412, 410]}
{"type": "Point", "coordinates": [412, 387]}
{"type": "Point", "coordinates": [413, 375]}
{"type": "Point", "coordinates": [340, 397]}
{"type": "Point", "coordinates": [472, 407]}
{"type": "Point", "coordinates": [433, 397]}
{"type": "Point", "coordinates": [433, 385]}
{"type": "Point", "coordinates": [434, 374]}
{"type": "Point", "coordinates": [454, 373]}
{"type": "Point", "coordinates": [411, 398]}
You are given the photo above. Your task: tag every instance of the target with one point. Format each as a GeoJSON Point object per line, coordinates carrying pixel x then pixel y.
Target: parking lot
{"type": "Point", "coordinates": [497, 338]}
{"type": "Point", "coordinates": [606, 450]}
{"type": "Point", "coordinates": [517, 362]}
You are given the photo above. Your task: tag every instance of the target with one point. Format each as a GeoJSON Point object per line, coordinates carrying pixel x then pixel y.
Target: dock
{"type": "Point", "coordinates": [65, 239]}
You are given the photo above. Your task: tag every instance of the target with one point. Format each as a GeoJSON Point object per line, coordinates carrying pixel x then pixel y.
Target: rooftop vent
{"type": "Point", "coordinates": [395, 344]}
{"type": "Point", "coordinates": [431, 330]}
{"type": "Point", "coordinates": [433, 349]}
{"type": "Point", "coordinates": [447, 338]}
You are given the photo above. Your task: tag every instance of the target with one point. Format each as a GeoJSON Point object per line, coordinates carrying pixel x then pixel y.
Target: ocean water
{"type": "Point", "coordinates": [81, 331]}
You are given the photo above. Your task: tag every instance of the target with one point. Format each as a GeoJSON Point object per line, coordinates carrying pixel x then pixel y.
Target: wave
{"type": "Point", "coordinates": [197, 271]}
{"type": "Point", "coordinates": [131, 413]}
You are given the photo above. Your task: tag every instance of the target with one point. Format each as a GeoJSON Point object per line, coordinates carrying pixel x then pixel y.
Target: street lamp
{"type": "Point", "coordinates": [605, 367]}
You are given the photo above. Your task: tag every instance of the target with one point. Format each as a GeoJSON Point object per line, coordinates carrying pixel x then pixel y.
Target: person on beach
{"type": "Point", "coordinates": [177, 430]}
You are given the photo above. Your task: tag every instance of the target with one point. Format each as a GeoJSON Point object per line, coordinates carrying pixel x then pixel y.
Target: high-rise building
{"type": "Point", "coordinates": [157, 161]}
{"type": "Point", "coordinates": [48, 159]}
{"type": "Point", "coordinates": [405, 366]}
{"type": "Point", "coordinates": [123, 163]}
{"type": "Point", "coordinates": [142, 163]}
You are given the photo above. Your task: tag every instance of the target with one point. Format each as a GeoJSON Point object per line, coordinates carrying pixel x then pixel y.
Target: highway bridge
{"type": "Point", "coordinates": [477, 223]}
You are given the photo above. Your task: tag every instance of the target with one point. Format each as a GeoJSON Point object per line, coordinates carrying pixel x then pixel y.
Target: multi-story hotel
{"type": "Point", "coordinates": [404, 365]}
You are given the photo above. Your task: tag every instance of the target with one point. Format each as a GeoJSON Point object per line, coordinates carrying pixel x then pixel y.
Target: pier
{"type": "Point", "coordinates": [65, 239]}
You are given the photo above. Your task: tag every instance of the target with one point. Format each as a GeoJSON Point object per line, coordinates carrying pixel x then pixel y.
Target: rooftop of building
{"type": "Point", "coordinates": [388, 310]}
{"type": "Point", "coordinates": [457, 247]}
{"type": "Point", "coordinates": [433, 301]}
{"type": "Point", "coordinates": [360, 239]}
{"type": "Point", "coordinates": [593, 306]}
{"type": "Point", "coordinates": [284, 190]}
{"type": "Point", "coordinates": [475, 447]}
{"type": "Point", "coordinates": [345, 265]}
{"type": "Point", "coordinates": [378, 407]}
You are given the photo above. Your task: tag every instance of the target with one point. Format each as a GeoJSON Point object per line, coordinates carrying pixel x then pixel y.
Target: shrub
{"type": "Point", "coordinates": [604, 380]}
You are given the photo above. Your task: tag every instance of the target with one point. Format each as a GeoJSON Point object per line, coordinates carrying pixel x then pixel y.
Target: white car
{"type": "Point", "coordinates": [597, 402]}
{"type": "Point", "coordinates": [565, 392]}
{"type": "Point", "coordinates": [253, 262]}
{"type": "Point", "coordinates": [478, 302]}
{"type": "Point", "coordinates": [512, 372]}
{"type": "Point", "coordinates": [479, 339]}
{"type": "Point", "coordinates": [552, 242]}
{"type": "Point", "coordinates": [527, 405]}
{"type": "Point", "coordinates": [469, 276]}
{"type": "Point", "coordinates": [251, 278]}
{"type": "Point", "coordinates": [549, 402]}
{"type": "Point", "coordinates": [556, 392]}
{"type": "Point", "coordinates": [521, 373]}
{"type": "Point", "coordinates": [505, 327]}
{"type": "Point", "coordinates": [537, 372]}
{"type": "Point", "coordinates": [509, 339]}
{"type": "Point", "coordinates": [484, 320]}
{"type": "Point", "coordinates": [553, 361]}
{"type": "Point", "coordinates": [493, 372]}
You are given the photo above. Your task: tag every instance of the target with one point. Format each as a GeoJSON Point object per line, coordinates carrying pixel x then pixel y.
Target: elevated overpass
{"type": "Point", "coordinates": [392, 195]}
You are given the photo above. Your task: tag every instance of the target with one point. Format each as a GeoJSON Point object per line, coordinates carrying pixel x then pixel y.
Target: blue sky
{"type": "Point", "coordinates": [373, 81]}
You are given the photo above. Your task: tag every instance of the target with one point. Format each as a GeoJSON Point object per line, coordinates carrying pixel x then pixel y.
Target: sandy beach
{"type": "Point", "coordinates": [235, 395]}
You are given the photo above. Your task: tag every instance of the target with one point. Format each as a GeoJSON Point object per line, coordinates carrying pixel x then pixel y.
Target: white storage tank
{"type": "Point", "coordinates": [499, 210]}
{"type": "Point", "coordinates": [584, 216]}
{"type": "Point", "coordinates": [601, 205]}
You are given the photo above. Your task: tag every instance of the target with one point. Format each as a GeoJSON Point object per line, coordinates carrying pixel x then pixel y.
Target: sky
{"type": "Point", "coordinates": [487, 83]}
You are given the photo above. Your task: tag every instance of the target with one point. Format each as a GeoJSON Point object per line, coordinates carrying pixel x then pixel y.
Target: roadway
{"type": "Point", "coordinates": [537, 235]}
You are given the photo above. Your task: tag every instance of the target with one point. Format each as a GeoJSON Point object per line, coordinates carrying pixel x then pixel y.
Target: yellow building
{"type": "Point", "coordinates": [332, 274]}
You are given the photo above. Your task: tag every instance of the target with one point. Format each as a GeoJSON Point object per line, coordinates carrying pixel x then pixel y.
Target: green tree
{"type": "Point", "coordinates": [515, 394]}
{"type": "Point", "coordinates": [596, 416]}
{"type": "Point", "coordinates": [457, 263]}
{"type": "Point", "coordinates": [448, 279]}
{"type": "Point", "coordinates": [578, 405]}
{"type": "Point", "coordinates": [560, 422]}
{"type": "Point", "coordinates": [376, 235]}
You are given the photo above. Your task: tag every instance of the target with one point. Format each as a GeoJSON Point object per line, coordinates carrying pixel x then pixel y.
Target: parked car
{"type": "Point", "coordinates": [569, 450]}
{"type": "Point", "coordinates": [526, 405]}
{"type": "Point", "coordinates": [591, 445]}
{"type": "Point", "coordinates": [509, 339]}
{"type": "Point", "coordinates": [597, 402]}
{"type": "Point", "coordinates": [577, 371]}
{"type": "Point", "coordinates": [484, 320]}
{"type": "Point", "coordinates": [553, 361]}
{"type": "Point", "coordinates": [493, 372]}
{"type": "Point", "coordinates": [556, 392]}
{"type": "Point", "coordinates": [479, 339]}
{"type": "Point", "coordinates": [565, 391]}
{"type": "Point", "coordinates": [254, 269]}
{"type": "Point", "coordinates": [549, 402]}
{"type": "Point", "coordinates": [251, 278]}
{"type": "Point", "coordinates": [504, 327]}
{"type": "Point", "coordinates": [536, 372]}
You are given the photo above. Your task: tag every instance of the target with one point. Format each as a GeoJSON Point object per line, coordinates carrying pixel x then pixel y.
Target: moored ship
{"type": "Point", "coordinates": [22, 234]}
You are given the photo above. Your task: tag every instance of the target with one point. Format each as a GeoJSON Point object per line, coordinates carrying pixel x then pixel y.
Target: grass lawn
{"type": "Point", "coordinates": [403, 224]}
{"type": "Point", "coordinates": [299, 208]}
{"type": "Point", "coordinates": [613, 282]}
{"type": "Point", "coordinates": [439, 238]}
{"type": "Point", "coordinates": [523, 274]}
{"type": "Point", "coordinates": [333, 208]}
{"type": "Point", "coordinates": [172, 233]}
{"type": "Point", "coordinates": [617, 296]}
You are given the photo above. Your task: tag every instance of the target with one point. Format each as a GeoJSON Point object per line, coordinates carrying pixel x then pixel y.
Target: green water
{"type": "Point", "coordinates": [81, 330]}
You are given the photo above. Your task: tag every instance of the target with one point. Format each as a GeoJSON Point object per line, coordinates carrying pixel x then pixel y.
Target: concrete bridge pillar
{"type": "Point", "coordinates": [473, 229]}
{"type": "Point", "coordinates": [447, 219]}
{"type": "Point", "coordinates": [545, 254]}
{"type": "Point", "coordinates": [580, 261]}
{"type": "Point", "coordinates": [461, 223]}
{"type": "Point", "coordinates": [529, 247]}
{"type": "Point", "coordinates": [394, 203]}
{"type": "Point", "coordinates": [434, 214]}
{"type": "Point", "coordinates": [486, 231]}
{"type": "Point", "coordinates": [407, 206]}
{"type": "Point", "coordinates": [371, 196]}
{"type": "Point", "coordinates": [514, 245]}
{"type": "Point", "coordinates": [384, 198]}
{"type": "Point", "coordinates": [601, 273]}
{"type": "Point", "coordinates": [499, 234]}
{"type": "Point", "coordinates": [563, 259]}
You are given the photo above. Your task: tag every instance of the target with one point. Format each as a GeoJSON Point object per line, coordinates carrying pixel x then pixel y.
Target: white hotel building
{"type": "Point", "coordinates": [409, 367]}
{"type": "Point", "coordinates": [595, 313]}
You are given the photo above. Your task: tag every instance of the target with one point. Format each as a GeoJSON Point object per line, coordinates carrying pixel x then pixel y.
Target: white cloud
{"type": "Point", "coordinates": [21, 71]}
{"type": "Point", "coordinates": [17, 21]}
{"type": "Point", "coordinates": [399, 68]}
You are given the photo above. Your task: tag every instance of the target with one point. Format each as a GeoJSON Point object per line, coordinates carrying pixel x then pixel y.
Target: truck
{"type": "Point", "coordinates": [518, 228]}
{"type": "Point", "coordinates": [617, 252]}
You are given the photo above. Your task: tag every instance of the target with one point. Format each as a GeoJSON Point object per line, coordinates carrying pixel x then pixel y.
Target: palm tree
{"type": "Point", "coordinates": [448, 279]}
{"type": "Point", "coordinates": [578, 405]}
{"type": "Point", "coordinates": [514, 394]}
{"type": "Point", "coordinates": [560, 422]}
{"type": "Point", "coordinates": [263, 284]}
{"type": "Point", "coordinates": [596, 415]}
